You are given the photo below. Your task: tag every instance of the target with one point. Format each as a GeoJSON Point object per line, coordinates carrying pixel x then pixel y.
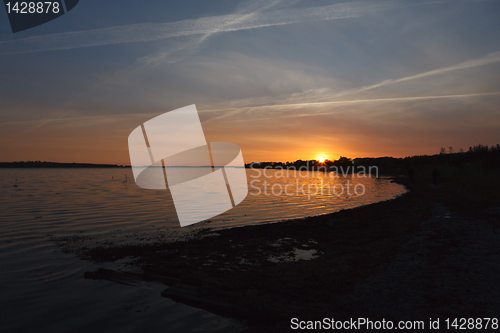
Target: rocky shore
{"type": "Point", "coordinates": [433, 252]}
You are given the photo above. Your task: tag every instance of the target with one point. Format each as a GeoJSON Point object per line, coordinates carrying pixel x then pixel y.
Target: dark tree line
{"type": "Point", "coordinates": [484, 156]}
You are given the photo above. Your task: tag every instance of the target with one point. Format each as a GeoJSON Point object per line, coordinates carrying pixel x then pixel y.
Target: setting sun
{"type": "Point", "coordinates": [321, 158]}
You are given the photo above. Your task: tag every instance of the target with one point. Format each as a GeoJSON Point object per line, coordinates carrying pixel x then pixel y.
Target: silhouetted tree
{"type": "Point", "coordinates": [343, 161]}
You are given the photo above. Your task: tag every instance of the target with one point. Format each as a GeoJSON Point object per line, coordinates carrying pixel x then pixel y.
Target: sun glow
{"type": "Point", "coordinates": [321, 158]}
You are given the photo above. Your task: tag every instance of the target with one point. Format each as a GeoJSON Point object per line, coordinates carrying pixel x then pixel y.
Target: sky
{"type": "Point", "coordinates": [284, 80]}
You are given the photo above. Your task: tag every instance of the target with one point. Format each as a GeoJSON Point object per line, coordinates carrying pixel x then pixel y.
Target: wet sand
{"type": "Point", "coordinates": [433, 252]}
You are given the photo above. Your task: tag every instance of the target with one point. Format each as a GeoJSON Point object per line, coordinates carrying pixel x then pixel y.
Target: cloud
{"type": "Point", "coordinates": [204, 26]}
{"type": "Point", "coordinates": [486, 60]}
{"type": "Point", "coordinates": [389, 126]}
{"type": "Point", "coordinates": [309, 109]}
{"type": "Point", "coordinates": [312, 99]}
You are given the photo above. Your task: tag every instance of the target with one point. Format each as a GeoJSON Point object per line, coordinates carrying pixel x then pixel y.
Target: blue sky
{"type": "Point", "coordinates": [282, 79]}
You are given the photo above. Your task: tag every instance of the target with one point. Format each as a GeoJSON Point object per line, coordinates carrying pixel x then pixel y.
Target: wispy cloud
{"type": "Point", "coordinates": [488, 59]}
{"type": "Point", "coordinates": [259, 112]}
{"type": "Point", "coordinates": [281, 111]}
{"type": "Point", "coordinates": [174, 51]}
{"type": "Point", "coordinates": [203, 26]}
{"type": "Point", "coordinates": [186, 45]}
{"type": "Point", "coordinates": [335, 96]}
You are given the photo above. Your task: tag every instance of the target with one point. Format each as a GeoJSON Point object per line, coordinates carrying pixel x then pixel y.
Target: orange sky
{"type": "Point", "coordinates": [330, 133]}
{"type": "Point", "coordinates": [283, 80]}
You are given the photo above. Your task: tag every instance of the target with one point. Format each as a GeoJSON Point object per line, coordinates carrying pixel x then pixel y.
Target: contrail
{"type": "Point", "coordinates": [92, 120]}
{"type": "Point", "coordinates": [267, 108]}
{"type": "Point", "coordinates": [208, 25]}
{"type": "Point", "coordinates": [488, 59]}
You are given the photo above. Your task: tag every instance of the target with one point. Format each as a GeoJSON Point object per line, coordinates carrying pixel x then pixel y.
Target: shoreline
{"type": "Point", "coordinates": [364, 255]}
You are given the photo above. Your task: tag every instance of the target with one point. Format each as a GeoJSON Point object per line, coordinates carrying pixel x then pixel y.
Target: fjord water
{"type": "Point", "coordinates": [54, 211]}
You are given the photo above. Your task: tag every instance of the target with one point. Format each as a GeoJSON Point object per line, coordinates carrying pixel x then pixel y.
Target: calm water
{"type": "Point", "coordinates": [43, 288]}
